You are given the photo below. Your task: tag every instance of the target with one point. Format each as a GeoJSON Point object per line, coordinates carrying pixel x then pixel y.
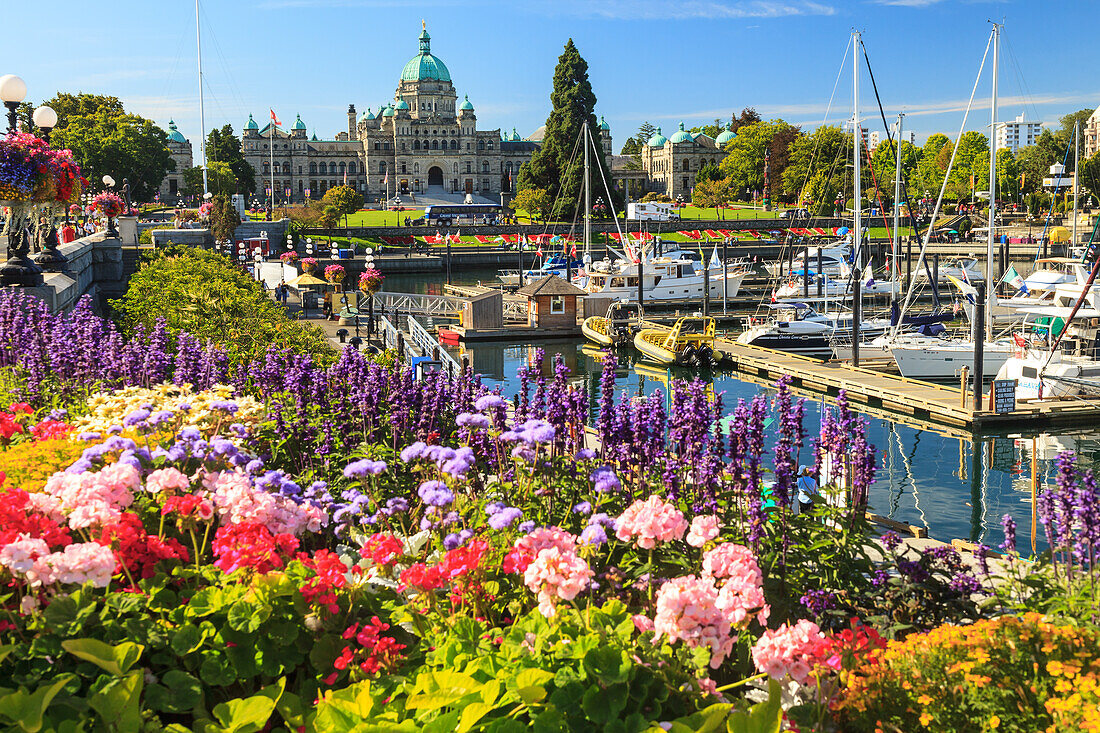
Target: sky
{"type": "Point", "coordinates": [662, 61]}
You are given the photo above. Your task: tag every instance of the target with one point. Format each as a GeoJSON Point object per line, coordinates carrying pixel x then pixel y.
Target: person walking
{"type": "Point", "coordinates": [806, 490]}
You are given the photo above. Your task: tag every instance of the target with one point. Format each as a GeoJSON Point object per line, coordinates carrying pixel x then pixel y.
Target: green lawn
{"type": "Point", "coordinates": [382, 218]}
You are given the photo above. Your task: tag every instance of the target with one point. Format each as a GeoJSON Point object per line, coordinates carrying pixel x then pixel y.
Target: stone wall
{"type": "Point", "coordinates": [276, 232]}
{"type": "Point", "coordinates": [94, 268]}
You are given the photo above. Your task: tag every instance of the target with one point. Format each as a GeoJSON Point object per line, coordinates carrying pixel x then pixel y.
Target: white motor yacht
{"type": "Point", "coordinates": [799, 329]}
{"type": "Point", "coordinates": [664, 278]}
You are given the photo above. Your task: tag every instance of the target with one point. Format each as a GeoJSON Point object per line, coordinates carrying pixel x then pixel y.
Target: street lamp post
{"type": "Point", "coordinates": [12, 91]}
{"type": "Point", "coordinates": [111, 230]}
{"type": "Point", "coordinates": [19, 269]}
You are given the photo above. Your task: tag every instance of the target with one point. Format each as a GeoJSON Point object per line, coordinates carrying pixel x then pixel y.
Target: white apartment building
{"type": "Point", "coordinates": [1015, 134]}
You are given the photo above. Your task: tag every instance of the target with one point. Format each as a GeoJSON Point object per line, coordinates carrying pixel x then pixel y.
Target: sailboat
{"type": "Point", "coordinates": [924, 357]}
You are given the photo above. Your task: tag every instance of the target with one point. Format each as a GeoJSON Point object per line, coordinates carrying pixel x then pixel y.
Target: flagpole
{"type": "Point", "coordinates": [202, 115]}
{"type": "Point", "coordinates": [271, 159]}
{"type": "Point", "coordinates": [1076, 152]}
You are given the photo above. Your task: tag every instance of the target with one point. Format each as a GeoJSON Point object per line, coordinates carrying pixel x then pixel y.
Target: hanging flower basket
{"type": "Point", "coordinates": [108, 204]}
{"type": "Point", "coordinates": [370, 280]}
{"type": "Point", "coordinates": [335, 274]}
{"type": "Point", "coordinates": [309, 264]}
{"type": "Point", "coordinates": [289, 258]}
{"type": "Point", "coordinates": [206, 210]}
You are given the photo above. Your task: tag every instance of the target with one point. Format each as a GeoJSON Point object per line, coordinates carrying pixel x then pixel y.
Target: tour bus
{"type": "Point", "coordinates": [651, 211]}
{"type": "Point", "coordinates": [458, 214]}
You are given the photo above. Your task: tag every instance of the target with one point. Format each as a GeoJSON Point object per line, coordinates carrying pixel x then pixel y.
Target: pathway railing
{"type": "Point", "coordinates": [429, 346]}
{"type": "Point", "coordinates": [419, 304]}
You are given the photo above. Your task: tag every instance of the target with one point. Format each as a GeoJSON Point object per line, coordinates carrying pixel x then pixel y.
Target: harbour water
{"type": "Point", "coordinates": [956, 487]}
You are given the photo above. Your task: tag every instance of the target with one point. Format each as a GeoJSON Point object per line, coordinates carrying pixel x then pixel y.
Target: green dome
{"type": "Point", "coordinates": [368, 115]}
{"type": "Point", "coordinates": [402, 105]}
{"type": "Point", "coordinates": [515, 135]}
{"type": "Point", "coordinates": [658, 140]}
{"type": "Point", "coordinates": [725, 137]}
{"type": "Point", "coordinates": [251, 125]}
{"type": "Point", "coordinates": [425, 67]}
{"type": "Point", "coordinates": [298, 124]}
{"type": "Point", "coordinates": [175, 135]}
{"type": "Point", "coordinates": [466, 106]}
{"type": "Point", "coordinates": [681, 136]}
{"type": "Point", "coordinates": [603, 124]}
{"type": "Point", "coordinates": [388, 111]}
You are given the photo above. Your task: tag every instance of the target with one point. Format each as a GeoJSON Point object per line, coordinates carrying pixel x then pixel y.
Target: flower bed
{"type": "Point", "coordinates": [297, 545]}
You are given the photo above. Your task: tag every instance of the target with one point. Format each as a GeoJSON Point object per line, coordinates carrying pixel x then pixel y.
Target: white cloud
{"type": "Point", "coordinates": [909, 3]}
{"type": "Point", "coordinates": [685, 9]}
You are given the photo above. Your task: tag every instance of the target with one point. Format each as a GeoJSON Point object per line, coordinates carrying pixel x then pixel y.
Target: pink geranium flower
{"type": "Point", "coordinates": [649, 522]}
{"type": "Point", "coordinates": [703, 529]}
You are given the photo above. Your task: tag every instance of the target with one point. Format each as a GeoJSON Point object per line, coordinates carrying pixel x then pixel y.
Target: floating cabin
{"type": "Point", "coordinates": [551, 303]}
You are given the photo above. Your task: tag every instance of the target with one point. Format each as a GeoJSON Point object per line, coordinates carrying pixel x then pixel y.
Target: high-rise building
{"type": "Point", "coordinates": [1018, 133]}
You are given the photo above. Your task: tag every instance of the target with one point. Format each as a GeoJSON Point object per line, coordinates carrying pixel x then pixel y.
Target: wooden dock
{"type": "Point", "coordinates": [912, 400]}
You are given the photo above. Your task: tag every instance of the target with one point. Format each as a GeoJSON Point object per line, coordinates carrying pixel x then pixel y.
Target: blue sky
{"type": "Point", "coordinates": [657, 60]}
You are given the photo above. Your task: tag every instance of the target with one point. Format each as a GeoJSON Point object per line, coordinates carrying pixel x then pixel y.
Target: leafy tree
{"type": "Point", "coordinates": [105, 140]}
{"type": "Point", "coordinates": [1090, 174]}
{"type": "Point", "coordinates": [535, 201]}
{"type": "Point", "coordinates": [1008, 176]}
{"type": "Point", "coordinates": [744, 162]}
{"type": "Point", "coordinates": [344, 199]}
{"type": "Point", "coordinates": [645, 131]}
{"type": "Point", "coordinates": [748, 116]}
{"type": "Point", "coordinates": [219, 180]}
{"type": "Point", "coordinates": [709, 172]}
{"type": "Point", "coordinates": [225, 147]}
{"type": "Point", "coordinates": [819, 152]}
{"type": "Point", "coordinates": [1032, 164]}
{"type": "Point", "coordinates": [821, 191]}
{"type": "Point", "coordinates": [224, 219]}
{"type": "Point", "coordinates": [712, 130]}
{"type": "Point", "coordinates": [631, 147]}
{"type": "Point", "coordinates": [971, 170]}
{"type": "Point", "coordinates": [1065, 134]}
{"type": "Point", "coordinates": [885, 165]}
{"type": "Point", "coordinates": [711, 193]}
{"type": "Point", "coordinates": [930, 168]}
{"type": "Point", "coordinates": [553, 165]}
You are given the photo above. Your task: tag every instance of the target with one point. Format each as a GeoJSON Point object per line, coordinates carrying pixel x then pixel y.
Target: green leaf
{"type": "Point", "coordinates": [250, 714]}
{"type": "Point", "coordinates": [205, 602]}
{"type": "Point", "coordinates": [25, 710]}
{"type": "Point", "coordinates": [247, 616]}
{"type": "Point", "coordinates": [471, 714]}
{"type": "Point", "coordinates": [186, 639]}
{"type": "Point", "coordinates": [115, 660]}
{"type": "Point", "coordinates": [5, 651]}
{"type": "Point", "coordinates": [604, 705]}
{"type": "Point", "coordinates": [118, 701]}
{"type": "Point", "coordinates": [445, 723]}
{"type": "Point", "coordinates": [606, 664]}
{"type": "Point", "coordinates": [506, 725]}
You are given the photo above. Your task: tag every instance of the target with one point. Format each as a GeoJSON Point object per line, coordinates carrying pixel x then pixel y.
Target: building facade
{"type": "Point", "coordinates": [1018, 133]}
{"type": "Point", "coordinates": [171, 188]}
{"type": "Point", "coordinates": [1090, 140]}
{"type": "Point", "coordinates": [875, 137]}
{"type": "Point", "coordinates": [425, 142]}
{"type": "Point", "coordinates": [670, 164]}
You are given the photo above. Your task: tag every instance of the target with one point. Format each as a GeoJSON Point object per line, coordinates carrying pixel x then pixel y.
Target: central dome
{"type": "Point", "coordinates": [425, 66]}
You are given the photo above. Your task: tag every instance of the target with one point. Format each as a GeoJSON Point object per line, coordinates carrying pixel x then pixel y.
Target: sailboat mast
{"type": "Point", "coordinates": [989, 282]}
{"type": "Point", "coordinates": [202, 111]}
{"type": "Point", "coordinates": [857, 193]}
{"type": "Point", "coordinates": [587, 192]}
{"type": "Point", "coordinates": [897, 198]}
{"type": "Point", "coordinates": [1076, 155]}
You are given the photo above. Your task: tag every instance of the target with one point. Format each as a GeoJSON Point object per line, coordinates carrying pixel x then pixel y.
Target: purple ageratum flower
{"type": "Point", "coordinates": [114, 430]}
{"type": "Point", "coordinates": [891, 540]}
{"type": "Point", "coordinates": [585, 454]}
{"type": "Point", "coordinates": [452, 541]}
{"type": "Point", "coordinates": [435, 493]}
{"type": "Point", "coordinates": [89, 436]}
{"type": "Point", "coordinates": [458, 466]}
{"type": "Point", "coordinates": [583, 507]}
{"type": "Point", "coordinates": [510, 436]}
{"type": "Point", "coordinates": [472, 420]}
{"type": "Point", "coordinates": [254, 466]}
{"type": "Point", "coordinates": [397, 505]}
{"type": "Point", "coordinates": [223, 447]}
{"type": "Point", "coordinates": [361, 469]}
{"type": "Point", "coordinates": [413, 452]}
{"type": "Point", "coordinates": [488, 402]}
{"type": "Point", "coordinates": [438, 453]}
{"type": "Point", "coordinates": [818, 601]}
{"type": "Point", "coordinates": [190, 434]}
{"type": "Point", "coordinates": [58, 414]}
{"type": "Point", "coordinates": [593, 534]}
{"type": "Point", "coordinates": [238, 430]}
{"type": "Point", "coordinates": [137, 417]}
{"type": "Point", "coordinates": [524, 453]}
{"type": "Point", "coordinates": [177, 453]}
{"type": "Point", "coordinates": [160, 417]}
{"type": "Point", "coordinates": [965, 584]}
{"type": "Point", "coordinates": [493, 507]}
{"type": "Point", "coordinates": [225, 406]}
{"type": "Point", "coordinates": [602, 519]}
{"type": "Point", "coordinates": [537, 431]}
{"type": "Point", "coordinates": [604, 480]}
{"type": "Point", "coordinates": [505, 517]}
{"type": "Point", "coordinates": [184, 407]}
{"type": "Point", "coordinates": [526, 527]}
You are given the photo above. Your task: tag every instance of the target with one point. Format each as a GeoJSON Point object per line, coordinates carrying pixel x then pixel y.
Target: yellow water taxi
{"type": "Point", "coordinates": [615, 328]}
{"type": "Point", "coordinates": [689, 343]}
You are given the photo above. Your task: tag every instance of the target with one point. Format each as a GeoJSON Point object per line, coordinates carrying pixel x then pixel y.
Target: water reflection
{"type": "Point", "coordinates": [956, 487]}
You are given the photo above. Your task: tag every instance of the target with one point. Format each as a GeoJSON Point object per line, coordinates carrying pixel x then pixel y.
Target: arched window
{"type": "Point", "coordinates": [416, 145]}
{"type": "Point", "coordinates": [456, 167]}
{"type": "Point", "coordinates": [480, 144]}
{"type": "Point", "coordinates": [485, 167]}
{"type": "Point", "coordinates": [454, 145]}
{"type": "Point", "coordinates": [351, 168]}
{"type": "Point", "coordinates": [435, 145]}
{"type": "Point", "coordinates": [313, 169]}
{"type": "Point", "coordinates": [416, 167]}
{"type": "Point", "coordinates": [342, 166]}
{"type": "Point", "coordinates": [490, 144]}
{"type": "Point", "coordinates": [382, 167]}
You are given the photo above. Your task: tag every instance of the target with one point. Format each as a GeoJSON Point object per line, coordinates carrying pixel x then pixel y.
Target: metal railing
{"type": "Point", "coordinates": [419, 304]}
{"type": "Point", "coordinates": [515, 309]}
{"type": "Point", "coordinates": [429, 346]}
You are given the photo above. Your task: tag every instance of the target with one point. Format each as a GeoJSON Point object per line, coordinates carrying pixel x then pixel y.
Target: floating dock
{"type": "Point", "coordinates": [889, 394]}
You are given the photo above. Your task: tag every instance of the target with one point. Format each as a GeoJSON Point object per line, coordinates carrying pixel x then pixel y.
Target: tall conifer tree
{"type": "Point", "coordinates": [572, 104]}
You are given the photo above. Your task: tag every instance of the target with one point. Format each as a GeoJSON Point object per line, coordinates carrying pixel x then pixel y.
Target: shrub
{"type": "Point", "coordinates": [211, 298]}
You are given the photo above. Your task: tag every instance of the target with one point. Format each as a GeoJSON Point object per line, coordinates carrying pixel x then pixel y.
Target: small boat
{"type": "Point", "coordinates": [798, 329]}
{"type": "Point", "coordinates": [616, 328]}
{"type": "Point", "coordinates": [689, 343]}
{"type": "Point", "coordinates": [554, 265]}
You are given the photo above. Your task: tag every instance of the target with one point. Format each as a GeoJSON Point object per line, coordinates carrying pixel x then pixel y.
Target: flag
{"type": "Point", "coordinates": [573, 252]}
{"type": "Point", "coordinates": [345, 177]}
{"type": "Point", "coordinates": [274, 118]}
{"type": "Point", "coordinates": [868, 276]}
{"type": "Point", "coordinates": [715, 263]}
{"type": "Point", "coordinates": [1013, 278]}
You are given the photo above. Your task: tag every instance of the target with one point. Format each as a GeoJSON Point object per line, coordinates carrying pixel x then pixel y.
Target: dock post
{"type": "Point", "coordinates": [806, 277]}
{"type": "Point", "coordinates": [819, 276]}
{"type": "Point", "coordinates": [725, 276]}
{"type": "Point", "coordinates": [977, 331]}
{"type": "Point", "coordinates": [857, 306]}
{"type": "Point", "coordinates": [935, 269]}
{"type": "Point", "coordinates": [908, 263]}
{"type": "Point", "coordinates": [706, 288]}
{"type": "Point", "coordinates": [448, 262]}
{"type": "Point", "coordinates": [1004, 259]}
{"type": "Point", "coordinates": [400, 346]}
{"type": "Point", "coordinates": [963, 382]}
{"type": "Point", "coordinates": [519, 251]}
